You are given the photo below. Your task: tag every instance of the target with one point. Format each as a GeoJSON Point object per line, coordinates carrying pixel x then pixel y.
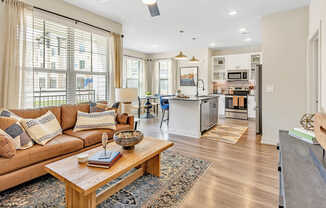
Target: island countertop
{"type": "Point", "coordinates": [195, 98]}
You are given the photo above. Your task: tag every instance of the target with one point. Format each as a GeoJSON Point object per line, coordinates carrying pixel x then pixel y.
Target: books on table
{"type": "Point", "coordinates": [104, 160]}
{"type": "Point", "coordinates": [304, 135]}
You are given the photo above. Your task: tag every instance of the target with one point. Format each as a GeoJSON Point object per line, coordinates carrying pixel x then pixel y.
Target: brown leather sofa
{"type": "Point", "coordinates": [29, 164]}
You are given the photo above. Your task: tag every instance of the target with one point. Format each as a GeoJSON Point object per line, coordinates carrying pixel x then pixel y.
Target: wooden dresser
{"type": "Point", "coordinates": [302, 173]}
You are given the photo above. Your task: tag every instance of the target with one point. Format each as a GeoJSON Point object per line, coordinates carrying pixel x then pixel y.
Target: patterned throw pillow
{"type": "Point", "coordinates": [101, 107]}
{"type": "Point", "coordinates": [98, 120]}
{"type": "Point", "coordinates": [12, 128]}
{"type": "Point", "coordinates": [7, 147]}
{"type": "Point", "coordinates": [9, 114]}
{"type": "Point", "coordinates": [43, 129]}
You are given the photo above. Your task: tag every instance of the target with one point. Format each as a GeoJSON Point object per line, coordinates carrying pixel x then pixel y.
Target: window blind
{"type": "Point", "coordinates": [64, 64]}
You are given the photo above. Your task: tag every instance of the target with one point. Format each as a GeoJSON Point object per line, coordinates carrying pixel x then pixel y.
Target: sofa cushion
{"type": "Point", "coordinates": [90, 137]}
{"type": "Point", "coordinates": [122, 118]}
{"type": "Point", "coordinates": [60, 145]}
{"type": "Point", "coordinates": [98, 120]}
{"type": "Point", "coordinates": [7, 147]}
{"type": "Point", "coordinates": [35, 113]}
{"type": "Point", "coordinates": [69, 114]}
{"type": "Point", "coordinates": [13, 129]}
{"type": "Point", "coordinates": [43, 129]}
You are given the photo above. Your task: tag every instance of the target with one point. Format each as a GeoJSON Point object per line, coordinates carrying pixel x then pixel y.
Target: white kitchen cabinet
{"type": "Point", "coordinates": [251, 106]}
{"type": "Point", "coordinates": [238, 61]}
{"type": "Point", "coordinates": [219, 68]}
{"type": "Point", "coordinates": [221, 106]}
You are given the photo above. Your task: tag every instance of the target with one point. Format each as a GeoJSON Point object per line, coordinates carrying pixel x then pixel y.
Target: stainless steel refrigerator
{"type": "Point", "coordinates": [258, 94]}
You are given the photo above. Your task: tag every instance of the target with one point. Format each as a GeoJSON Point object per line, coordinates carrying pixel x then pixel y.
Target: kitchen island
{"type": "Point", "coordinates": [192, 116]}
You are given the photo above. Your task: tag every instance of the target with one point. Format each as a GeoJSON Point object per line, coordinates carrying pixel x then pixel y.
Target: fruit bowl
{"type": "Point", "coordinates": [128, 139]}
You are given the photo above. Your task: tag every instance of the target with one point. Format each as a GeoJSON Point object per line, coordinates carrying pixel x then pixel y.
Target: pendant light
{"type": "Point", "coordinates": [194, 60]}
{"type": "Point", "coordinates": [181, 56]}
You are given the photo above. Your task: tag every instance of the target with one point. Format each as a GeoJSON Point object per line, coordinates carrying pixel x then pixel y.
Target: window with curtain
{"type": "Point", "coordinates": [69, 64]}
{"type": "Point", "coordinates": [133, 68]}
{"type": "Point", "coordinates": [164, 77]}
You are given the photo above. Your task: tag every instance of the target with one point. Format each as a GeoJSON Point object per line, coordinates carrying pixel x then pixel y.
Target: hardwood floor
{"type": "Point", "coordinates": [243, 175]}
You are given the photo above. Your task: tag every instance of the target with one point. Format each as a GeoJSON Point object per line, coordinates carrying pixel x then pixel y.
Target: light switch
{"type": "Point", "coordinates": [269, 88]}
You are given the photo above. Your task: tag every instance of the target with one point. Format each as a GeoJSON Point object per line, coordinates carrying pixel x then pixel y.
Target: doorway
{"type": "Point", "coordinates": [314, 73]}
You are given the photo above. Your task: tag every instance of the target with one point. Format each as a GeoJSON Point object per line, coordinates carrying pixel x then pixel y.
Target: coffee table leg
{"type": "Point", "coordinates": [76, 199]}
{"type": "Point", "coordinates": [153, 166]}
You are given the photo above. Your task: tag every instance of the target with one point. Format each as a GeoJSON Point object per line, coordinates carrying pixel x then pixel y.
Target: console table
{"type": "Point", "coordinates": [302, 173]}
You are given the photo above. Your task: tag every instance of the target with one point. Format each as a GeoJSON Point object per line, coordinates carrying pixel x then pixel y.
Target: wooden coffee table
{"type": "Point", "coordinates": [82, 181]}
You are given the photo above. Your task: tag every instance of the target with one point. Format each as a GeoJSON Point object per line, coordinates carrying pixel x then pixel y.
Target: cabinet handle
{"type": "Point", "coordinates": [279, 169]}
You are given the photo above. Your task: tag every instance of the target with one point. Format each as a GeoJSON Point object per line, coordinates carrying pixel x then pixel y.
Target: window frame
{"type": "Point", "coordinates": [139, 67]}
{"type": "Point", "coordinates": [71, 90]}
{"type": "Point", "coordinates": [163, 79]}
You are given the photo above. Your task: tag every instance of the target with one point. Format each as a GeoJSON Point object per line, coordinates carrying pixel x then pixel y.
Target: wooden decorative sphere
{"type": "Point", "coordinates": [307, 121]}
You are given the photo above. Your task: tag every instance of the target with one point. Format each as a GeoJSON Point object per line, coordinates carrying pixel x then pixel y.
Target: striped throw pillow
{"type": "Point", "coordinates": [11, 128]}
{"type": "Point", "coordinates": [43, 129]}
{"type": "Point", "coordinates": [98, 120]}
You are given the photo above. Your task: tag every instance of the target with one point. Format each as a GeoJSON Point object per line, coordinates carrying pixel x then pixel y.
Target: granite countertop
{"type": "Point", "coordinates": [200, 98]}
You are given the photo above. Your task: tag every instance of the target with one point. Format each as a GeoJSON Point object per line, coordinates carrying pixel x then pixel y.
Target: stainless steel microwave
{"type": "Point", "coordinates": [237, 75]}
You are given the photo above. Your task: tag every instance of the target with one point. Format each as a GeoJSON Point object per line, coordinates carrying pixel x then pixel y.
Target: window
{"type": "Point", "coordinates": [163, 77]}
{"type": "Point", "coordinates": [132, 73]}
{"type": "Point", "coordinates": [54, 48]}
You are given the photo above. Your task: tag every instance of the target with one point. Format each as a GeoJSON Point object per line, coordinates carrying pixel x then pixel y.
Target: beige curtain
{"type": "Point", "coordinates": [13, 93]}
{"type": "Point", "coordinates": [172, 76]}
{"type": "Point", "coordinates": [115, 48]}
{"type": "Point", "coordinates": [155, 77]}
{"type": "Point", "coordinates": [143, 78]}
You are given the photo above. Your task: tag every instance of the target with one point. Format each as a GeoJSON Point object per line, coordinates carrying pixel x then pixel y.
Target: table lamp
{"type": "Point", "coordinates": [126, 96]}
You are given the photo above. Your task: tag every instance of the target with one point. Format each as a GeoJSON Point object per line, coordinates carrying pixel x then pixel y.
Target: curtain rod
{"type": "Point", "coordinates": [75, 20]}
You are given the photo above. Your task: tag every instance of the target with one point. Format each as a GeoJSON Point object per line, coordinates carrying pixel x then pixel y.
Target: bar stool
{"type": "Point", "coordinates": [165, 107]}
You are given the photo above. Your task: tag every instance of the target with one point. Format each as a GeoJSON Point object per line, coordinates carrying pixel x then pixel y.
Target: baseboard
{"type": "Point", "coordinates": [268, 141]}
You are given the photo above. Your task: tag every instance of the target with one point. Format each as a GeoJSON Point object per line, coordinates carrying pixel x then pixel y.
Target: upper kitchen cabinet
{"type": "Point", "coordinates": [219, 68]}
{"type": "Point", "coordinates": [238, 61]}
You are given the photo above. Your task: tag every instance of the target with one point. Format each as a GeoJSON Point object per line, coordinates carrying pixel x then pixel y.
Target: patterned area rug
{"type": "Point", "coordinates": [178, 174]}
{"type": "Point", "coordinates": [225, 133]}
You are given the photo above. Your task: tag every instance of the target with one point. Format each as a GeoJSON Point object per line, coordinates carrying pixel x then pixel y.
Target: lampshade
{"type": "Point", "coordinates": [149, 2]}
{"type": "Point", "coordinates": [181, 56]}
{"type": "Point", "coordinates": [126, 94]}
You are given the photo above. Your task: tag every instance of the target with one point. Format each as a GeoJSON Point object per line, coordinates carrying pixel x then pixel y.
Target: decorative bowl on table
{"type": "Point", "coordinates": [128, 139]}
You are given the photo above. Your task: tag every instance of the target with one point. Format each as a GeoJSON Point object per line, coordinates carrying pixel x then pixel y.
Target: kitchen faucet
{"type": "Point", "coordinates": [202, 81]}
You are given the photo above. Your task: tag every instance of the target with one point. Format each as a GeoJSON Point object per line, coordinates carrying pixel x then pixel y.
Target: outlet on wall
{"type": "Point", "coordinates": [269, 88]}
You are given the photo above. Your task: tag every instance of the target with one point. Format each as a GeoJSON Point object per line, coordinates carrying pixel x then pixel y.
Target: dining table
{"type": "Point", "coordinates": [148, 105]}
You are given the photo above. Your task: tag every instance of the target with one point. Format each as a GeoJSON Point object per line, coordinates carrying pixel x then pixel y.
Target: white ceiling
{"type": "Point", "coordinates": [207, 20]}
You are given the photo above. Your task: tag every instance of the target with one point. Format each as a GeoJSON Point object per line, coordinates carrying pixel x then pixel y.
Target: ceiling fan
{"type": "Point", "coordinates": [152, 7]}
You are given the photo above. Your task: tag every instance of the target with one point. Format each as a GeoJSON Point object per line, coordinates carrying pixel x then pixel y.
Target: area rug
{"type": "Point", "coordinates": [225, 133]}
{"type": "Point", "coordinates": [178, 174]}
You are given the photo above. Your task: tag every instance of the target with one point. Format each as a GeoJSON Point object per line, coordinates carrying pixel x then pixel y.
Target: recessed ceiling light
{"type": "Point", "coordinates": [149, 2]}
{"type": "Point", "coordinates": [248, 39]}
{"type": "Point", "coordinates": [233, 12]}
{"type": "Point", "coordinates": [243, 31]}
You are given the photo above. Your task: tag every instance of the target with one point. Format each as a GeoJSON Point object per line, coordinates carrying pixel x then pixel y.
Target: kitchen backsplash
{"type": "Point", "coordinates": [224, 85]}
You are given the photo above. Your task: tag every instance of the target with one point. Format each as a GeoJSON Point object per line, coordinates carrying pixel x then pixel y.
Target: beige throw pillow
{"type": "Point", "coordinates": [98, 120]}
{"type": "Point", "coordinates": [43, 129]}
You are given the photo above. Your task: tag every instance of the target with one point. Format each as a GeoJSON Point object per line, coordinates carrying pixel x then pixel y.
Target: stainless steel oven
{"type": "Point", "coordinates": [236, 105]}
{"type": "Point", "coordinates": [237, 75]}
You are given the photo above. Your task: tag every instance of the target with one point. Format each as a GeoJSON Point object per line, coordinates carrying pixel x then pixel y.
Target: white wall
{"type": "Point", "coordinates": [317, 19]}
{"type": "Point", "coordinates": [284, 47]}
{"type": "Point", "coordinates": [203, 55]}
{"type": "Point", "coordinates": [63, 8]}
